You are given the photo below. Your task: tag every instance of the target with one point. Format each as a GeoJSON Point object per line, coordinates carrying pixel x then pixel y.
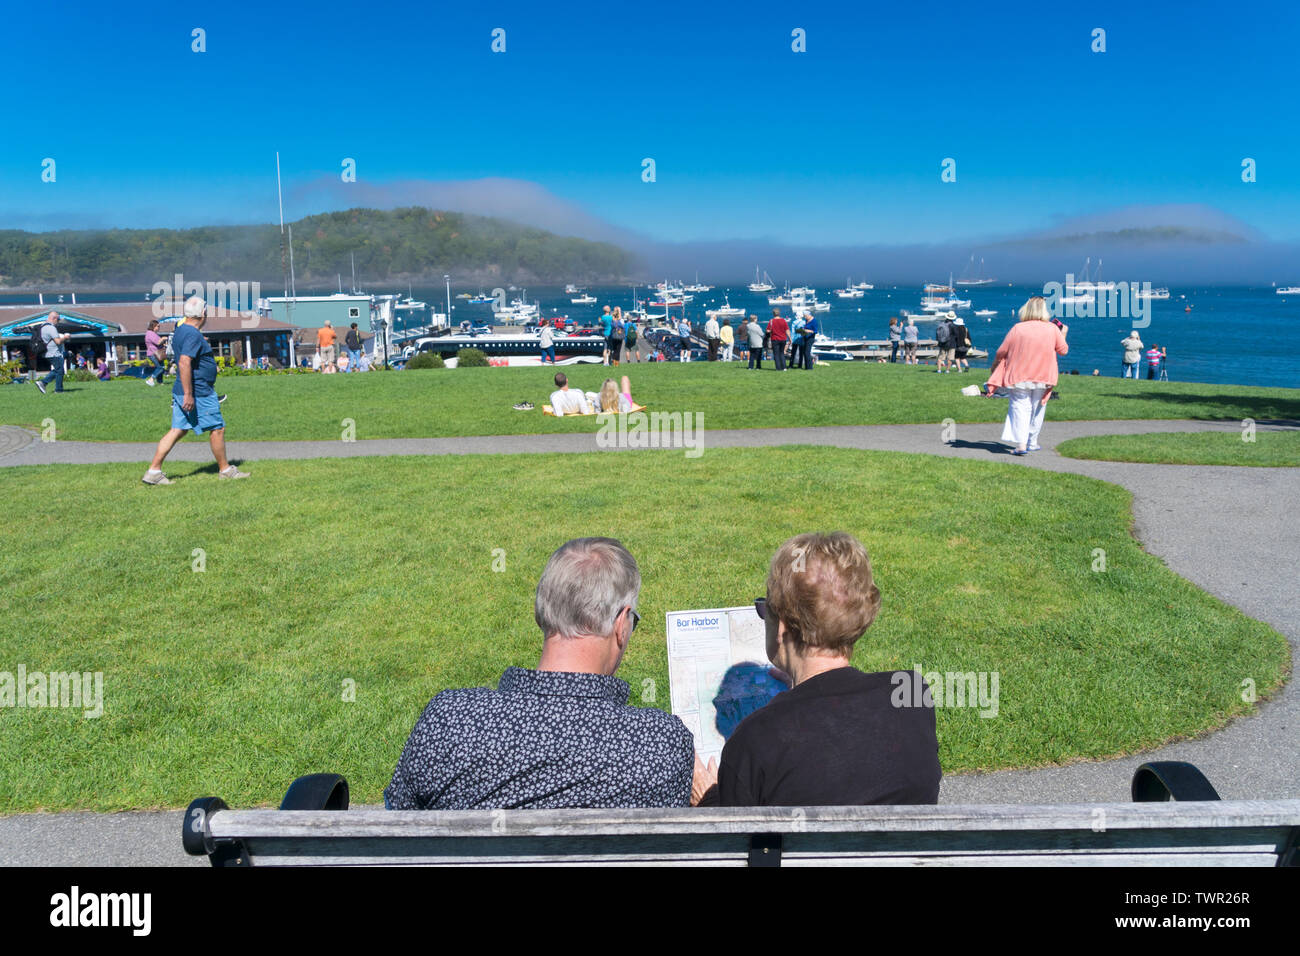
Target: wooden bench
{"type": "Point", "coordinates": [1176, 820]}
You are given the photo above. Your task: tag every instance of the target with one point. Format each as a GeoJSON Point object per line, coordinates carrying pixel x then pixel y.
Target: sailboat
{"type": "Point", "coordinates": [850, 291]}
{"type": "Point", "coordinates": [980, 279]}
{"type": "Point", "coordinates": [1089, 283]}
{"type": "Point", "coordinates": [761, 285]}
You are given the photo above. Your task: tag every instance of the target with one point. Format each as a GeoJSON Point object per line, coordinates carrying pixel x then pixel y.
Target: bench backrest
{"type": "Point", "coordinates": [1209, 833]}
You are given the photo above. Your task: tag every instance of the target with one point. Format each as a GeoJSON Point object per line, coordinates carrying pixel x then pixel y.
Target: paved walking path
{"type": "Point", "coordinates": [1231, 531]}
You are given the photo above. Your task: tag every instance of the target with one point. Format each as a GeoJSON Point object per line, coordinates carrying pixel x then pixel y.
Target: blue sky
{"type": "Point", "coordinates": [841, 144]}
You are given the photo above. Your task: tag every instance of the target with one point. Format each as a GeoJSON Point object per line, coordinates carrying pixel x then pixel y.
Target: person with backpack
{"type": "Point", "coordinates": [629, 340]}
{"type": "Point", "coordinates": [53, 343]}
{"type": "Point", "coordinates": [943, 338]}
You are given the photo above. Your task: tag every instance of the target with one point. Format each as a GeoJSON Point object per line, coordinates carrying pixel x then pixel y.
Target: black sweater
{"type": "Point", "coordinates": [834, 740]}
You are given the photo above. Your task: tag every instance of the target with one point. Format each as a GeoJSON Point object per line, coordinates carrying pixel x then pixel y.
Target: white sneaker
{"type": "Point", "coordinates": [150, 382]}
{"type": "Point", "coordinates": [232, 472]}
{"type": "Point", "coordinates": [152, 477]}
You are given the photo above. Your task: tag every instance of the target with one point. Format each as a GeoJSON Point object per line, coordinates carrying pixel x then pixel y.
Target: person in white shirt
{"type": "Point", "coordinates": [566, 402]}
{"type": "Point", "coordinates": [546, 339]}
{"type": "Point", "coordinates": [712, 335]}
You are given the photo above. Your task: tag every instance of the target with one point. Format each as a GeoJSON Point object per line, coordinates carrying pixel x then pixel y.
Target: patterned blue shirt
{"type": "Point", "coordinates": [543, 740]}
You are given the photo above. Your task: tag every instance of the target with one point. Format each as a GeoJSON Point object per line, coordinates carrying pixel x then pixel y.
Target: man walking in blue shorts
{"type": "Point", "coordinates": [195, 404]}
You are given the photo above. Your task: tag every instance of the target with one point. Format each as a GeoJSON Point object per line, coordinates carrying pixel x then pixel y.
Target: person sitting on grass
{"type": "Point", "coordinates": [837, 737]}
{"type": "Point", "coordinates": [561, 735]}
{"type": "Point", "coordinates": [567, 402]}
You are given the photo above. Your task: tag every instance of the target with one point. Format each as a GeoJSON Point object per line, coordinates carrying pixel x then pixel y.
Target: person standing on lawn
{"type": "Point", "coordinates": [195, 404]}
{"type": "Point", "coordinates": [54, 352]}
{"type": "Point", "coordinates": [352, 342]}
{"type": "Point", "coordinates": [684, 334]}
{"type": "Point", "coordinates": [1132, 361]}
{"type": "Point", "coordinates": [1155, 355]}
{"type": "Point", "coordinates": [606, 330]}
{"type": "Point", "coordinates": [728, 340]}
{"type": "Point", "coordinates": [895, 338]}
{"type": "Point", "coordinates": [779, 334]}
{"type": "Point", "coordinates": [325, 347]}
{"type": "Point", "coordinates": [961, 344]}
{"type": "Point", "coordinates": [712, 335]}
{"type": "Point", "coordinates": [630, 347]}
{"type": "Point", "coordinates": [754, 332]}
{"type": "Point", "coordinates": [809, 335]}
{"type": "Point", "coordinates": [796, 340]}
{"type": "Point", "coordinates": [153, 344]}
{"type": "Point", "coordinates": [909, 342]}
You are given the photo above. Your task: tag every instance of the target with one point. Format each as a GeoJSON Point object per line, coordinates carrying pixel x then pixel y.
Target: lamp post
{"type": "Point", "coordinates": [447, 279]}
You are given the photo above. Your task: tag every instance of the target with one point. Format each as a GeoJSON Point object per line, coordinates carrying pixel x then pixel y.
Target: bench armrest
{"type": "Point", "coordinates": [1171, 780]}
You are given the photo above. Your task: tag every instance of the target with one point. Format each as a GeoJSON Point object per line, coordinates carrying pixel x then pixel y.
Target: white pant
{"type": "Point", "coordinates": [1025, 412]}
{"type": "Point", "coordinates": [726, 352]}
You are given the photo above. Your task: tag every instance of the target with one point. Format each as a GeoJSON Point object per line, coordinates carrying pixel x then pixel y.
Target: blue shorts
{"type": "Point", "coordinates": [206, 416]}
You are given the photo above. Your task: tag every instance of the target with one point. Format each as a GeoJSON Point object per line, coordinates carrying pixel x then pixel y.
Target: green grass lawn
{"type": "Point", "coordinates": [457, 402]}
{"type": "Point", "coordinates": [380, 571]}
{"type": "Point", "coordinates": [1268, 449]}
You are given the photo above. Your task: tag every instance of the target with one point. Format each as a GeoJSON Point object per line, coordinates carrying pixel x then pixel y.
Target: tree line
{"type": "Point", "coordinates": [409, 244]}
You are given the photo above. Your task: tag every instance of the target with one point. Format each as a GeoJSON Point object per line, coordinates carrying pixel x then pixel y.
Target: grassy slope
{"type": "Point", "coordinates": [1267, 449]}
{"type": "Point", "coordinates": [457, 402]}
{"type": "Point", "coordinates": [380, 571]}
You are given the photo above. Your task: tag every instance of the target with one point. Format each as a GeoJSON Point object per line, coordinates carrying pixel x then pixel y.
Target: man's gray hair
{"type": "Point", "coordinates": [586, 584]}
{"type": "Point", "coordinates": [195, 307]}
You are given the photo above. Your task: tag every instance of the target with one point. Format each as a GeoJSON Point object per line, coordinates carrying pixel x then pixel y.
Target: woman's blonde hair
{"type": "Point", "coordinates": [1035, 309]}
{"type": "Point", "coordinates": [609, 396]}
{"type": "Point", "coordinates": [618, 312]}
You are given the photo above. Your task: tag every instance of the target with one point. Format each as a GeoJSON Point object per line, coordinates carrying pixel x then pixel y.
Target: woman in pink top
{"type": "Point", "coordinates": [1025, 367]}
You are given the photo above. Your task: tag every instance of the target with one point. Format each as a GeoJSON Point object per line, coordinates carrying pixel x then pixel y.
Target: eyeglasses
{"type": "Point", "coordinates": [760, 605]}
{"type": "Point", "coordinates": [636, 618]}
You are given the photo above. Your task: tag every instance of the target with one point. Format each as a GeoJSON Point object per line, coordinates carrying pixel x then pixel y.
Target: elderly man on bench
{"type": "Point", "coordinates": [562, 735]}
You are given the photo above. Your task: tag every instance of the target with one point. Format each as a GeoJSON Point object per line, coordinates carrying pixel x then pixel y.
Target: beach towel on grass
{"type": "Point", "coordinates": [549, 411]}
